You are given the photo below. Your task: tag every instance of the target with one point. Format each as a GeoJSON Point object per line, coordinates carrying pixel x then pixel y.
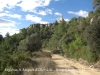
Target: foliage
{"type": "Point", "coordinates": [31, 43]}
{"type": "Point", "coordinates": [74, 39]}
{"type": "Point", "coordinates": [93, 37]}
{"type": "Point", "coordinates": [1, 38]}
{"type": "Point", "coordinates": [7, 34]}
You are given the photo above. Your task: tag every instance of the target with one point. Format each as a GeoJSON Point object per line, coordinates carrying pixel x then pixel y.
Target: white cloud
{"type": "Point", "coordinates": [42, 12]}
{"type": "Point", "coordinates": [6, 11]}
{"type": "Point", "coordinates": [66, 19]}
{"type": "Point", "coordinates": [15, 16]}
{"type": "Point", "coordinates": [57, 13]}
{"type": "Point", "coordinates": [8, 26]}
{"type": "Point", "coordinates": [44, 22]}
{"type": "Point", "coordinates": [11, 30]}
{"type": "Point", "coordinates": [79, 13]}
{"type": "Point", "coordinates": [8, 4]}
{"type": "Point", "coordinates": [25, 5]}
{"type": "Point", "coordinates": [49, 11]}
{"type": "Point", "coordinates": [29, 5]}
{"type": "Point", "coordinates": [34, 18]}
{"type": "Point", "coordinates": [10, 15]}
{"type": "Point", "coordinates": [6, 23]}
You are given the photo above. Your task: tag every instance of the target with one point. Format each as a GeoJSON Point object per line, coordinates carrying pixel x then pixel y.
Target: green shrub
{"type": "Point", "coordinates": [31, 43]}
{"type": "Point", "coordinates": [87, 54]}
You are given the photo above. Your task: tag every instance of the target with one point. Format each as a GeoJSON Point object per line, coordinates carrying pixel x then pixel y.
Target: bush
{"type": "Point", "coordinates": [92, 37]}
{"type": "Point", "coordinates": [31, 43]}
{"type": "Point", "coordinates": [86, 54]}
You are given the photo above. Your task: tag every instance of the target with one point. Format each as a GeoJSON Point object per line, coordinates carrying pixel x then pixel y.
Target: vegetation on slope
{"type": "Point", "coordinates": [77, 39]}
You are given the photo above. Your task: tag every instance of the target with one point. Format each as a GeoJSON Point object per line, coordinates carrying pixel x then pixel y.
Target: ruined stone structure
{"type": "Point", "coordinates": [61, 19]}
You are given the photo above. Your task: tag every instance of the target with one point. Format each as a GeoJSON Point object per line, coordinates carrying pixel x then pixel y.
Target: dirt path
{"type": "Point", "coordinates": [71, 67]}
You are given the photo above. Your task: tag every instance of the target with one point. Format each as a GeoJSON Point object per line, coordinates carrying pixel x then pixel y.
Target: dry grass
{"type": "Point", "coordinates": [44, 64]}
{"type": "Point", "coordinates": [46, 54]}
{"type": "Point", "coordinates": [97, 65]}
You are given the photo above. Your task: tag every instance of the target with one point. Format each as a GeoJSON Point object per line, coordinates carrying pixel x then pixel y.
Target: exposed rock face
{"type": "Point", "coordinates": [41, 25]}
{"type": "Point", "coordinates": [61, 19]}
{"type": "Point", "coordinates": [92, 19]}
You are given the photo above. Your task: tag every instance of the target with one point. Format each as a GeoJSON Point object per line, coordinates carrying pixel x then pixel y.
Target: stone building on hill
{"type": "Point", "coordinates": [61, 19]}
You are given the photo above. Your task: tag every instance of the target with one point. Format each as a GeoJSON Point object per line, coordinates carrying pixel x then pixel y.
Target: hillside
{"type": "Point", "coordinates": [76, 39]}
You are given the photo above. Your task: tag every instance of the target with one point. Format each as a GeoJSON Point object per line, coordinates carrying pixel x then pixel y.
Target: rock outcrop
{"type": "Point", "coordinates": [61, 19]}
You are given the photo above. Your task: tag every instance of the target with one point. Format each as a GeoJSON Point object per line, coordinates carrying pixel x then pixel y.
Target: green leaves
{"type": "Point", "coordinates": [1, 38]}
{"type": "Point", "coordinates": [31, 43]}
{"type": "Point", "coordinates": [7, 34]}
{"type": "Point", "coordinates": [92, 36]}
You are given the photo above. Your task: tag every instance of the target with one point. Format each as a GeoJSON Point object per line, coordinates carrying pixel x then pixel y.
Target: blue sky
{"type": "Point", "coordinates": [18, 14]}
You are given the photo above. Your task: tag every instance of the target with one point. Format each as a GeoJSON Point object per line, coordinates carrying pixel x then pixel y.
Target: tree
{"type": "Point", "coordinates": [97, 12]}
{"type": "Point", "coordinates": [7, 34]}
{"type": "Point", "coordinates": [31, 43]}
{"type": "Point", "coordinates": [92, 36]}
{"type": "Point", "coordinates": [1, 38]}
{"type": "Point", "coordinates": [37, 27]}
{"type": "Point", "coordinates": [91, 14]}
{"type": "Point", "coordinates": [56, 23]}
{"type": "Point", "coordinates": [30, 31]}
{"type": "Point", "coordinates": [24, 32]}
{"type": "Point", "coordinates": [96, 3]}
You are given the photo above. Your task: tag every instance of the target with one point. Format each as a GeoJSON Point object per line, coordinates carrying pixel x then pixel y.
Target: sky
{"type": "Point", "coordinates": [18, 14]}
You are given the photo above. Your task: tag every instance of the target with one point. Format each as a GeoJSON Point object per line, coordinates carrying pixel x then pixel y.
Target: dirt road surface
{"type": "Point", "coordinates": [65, 66]}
